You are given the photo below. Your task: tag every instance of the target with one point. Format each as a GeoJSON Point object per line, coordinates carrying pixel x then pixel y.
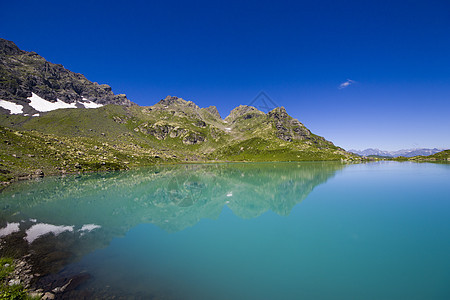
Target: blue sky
{"type": "Point", "coordinates": [360, 73]}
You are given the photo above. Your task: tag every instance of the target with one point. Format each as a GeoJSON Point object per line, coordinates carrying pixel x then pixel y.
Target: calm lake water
{"type": "Point", "coordinates": [243, 231]}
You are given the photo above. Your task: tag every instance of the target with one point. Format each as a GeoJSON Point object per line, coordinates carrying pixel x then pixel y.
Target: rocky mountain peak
{"type": "Point", "coordinates": [213, 110]}
{"type": "Point", "coordinates": [9, 48]}
{"type": "Point", "coordinates": [29, 85]}
{"type": "Point", "coordinates": [172, 102]}
{"type": "Point", "coordinates": [169, 100]}
{"type": "Point", "coordinates": [242, 110]}
{"type": "Point", "coordinates": [278, 113]}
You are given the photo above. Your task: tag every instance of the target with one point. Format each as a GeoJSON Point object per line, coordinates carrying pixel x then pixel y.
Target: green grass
{"type": "Point", "coordinates": [115, 137]}
{"type": "Point", "coordinates": [4, 269]}
{"type": "Point", "coordinates": [259, 149]}
{"type": "Point", "coordinates": [11, 292]}
{"type": "Point", "coordinates": [24, 152]}
{"type": "Point", "coordinates": [443, 156]}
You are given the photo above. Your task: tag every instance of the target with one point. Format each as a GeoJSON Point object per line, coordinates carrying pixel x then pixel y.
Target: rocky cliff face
{"type": "Point", "coordinates": [288, 128]}
{"type": "Point", "coordinates": [23, 74]}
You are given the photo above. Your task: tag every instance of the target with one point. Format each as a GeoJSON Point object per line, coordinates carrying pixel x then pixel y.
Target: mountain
{"type": "Point", "coordinates": [31, 85]}
{"type": "Point", "coordinates": [371, 151]}
{"type": "Point", "coordinates": [403, 152]}
{"type": "Point", "coordinates": [115, 137]}
{"type": "Point", "coordinates": [39, 134]}
{"type": "Point", "coordinates": [442, 156]}
{"type": "Point", "coordinates": [416, 152]}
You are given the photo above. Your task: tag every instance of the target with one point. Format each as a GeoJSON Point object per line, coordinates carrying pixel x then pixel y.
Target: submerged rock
{"type": "Point", "coordinates": [48, 296]}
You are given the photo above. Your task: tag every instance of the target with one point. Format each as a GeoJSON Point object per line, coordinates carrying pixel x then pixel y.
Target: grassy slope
{"type": "Point", "coordinates": [116, 137]}
{"type": "Point", "coordinates": [70, 141]}
{"type": "Point", "coordinates": [256, 139]}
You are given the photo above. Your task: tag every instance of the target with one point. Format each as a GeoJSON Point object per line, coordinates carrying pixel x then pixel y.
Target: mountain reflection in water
{"type": "Point", "coordinates": [63, 218]}
{"type": "Point", "coordinates": [172, 197]}
{"type": "Point", "coordinates": [235, 231]}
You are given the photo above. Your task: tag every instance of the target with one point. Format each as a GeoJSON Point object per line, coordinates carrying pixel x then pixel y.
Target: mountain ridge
{"type": "Point", "coordinates": [397, 153]}
{"type": "Point", "coordinates": [46, 128]}
{"type": "Point", "coordinates": [114, 137]}
{"type": "Point", "coordinates": [24, 75]}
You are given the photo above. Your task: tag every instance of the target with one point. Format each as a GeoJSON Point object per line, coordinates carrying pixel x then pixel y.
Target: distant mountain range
{"type": "Point", "coordinates": [403, 152]}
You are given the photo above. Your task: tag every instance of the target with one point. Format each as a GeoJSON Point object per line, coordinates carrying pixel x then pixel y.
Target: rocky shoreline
{"type": "Point", "coordinates": [62, 285]}
{"type": "Point", "coordinates": [46, 287]}
{"type": "Point", "coordinates": [40, 270]}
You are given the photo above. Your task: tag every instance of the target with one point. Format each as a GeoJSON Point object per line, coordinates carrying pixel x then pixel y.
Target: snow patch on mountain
{"type": "Point", "coordinates": [402, 152]}
{"type": "Point", "coordinates": [12, 107]}
{"type": "Point", "coordinates": [43, 105]}
{"type": "Point", "coordinates": [90, 104]}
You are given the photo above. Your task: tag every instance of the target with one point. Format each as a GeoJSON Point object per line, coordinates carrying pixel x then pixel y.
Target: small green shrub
{"type": "Point", "coordinates": [6, 267]}
{"type": "Point", "coordinates": [13, 292]}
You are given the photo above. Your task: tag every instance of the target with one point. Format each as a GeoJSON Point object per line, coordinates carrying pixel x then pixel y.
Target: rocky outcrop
{"type": "Point", "coordinates": [200, 123]}
{"type": "Point", "coordinates": [193, 138]}
{"type": "Point", "coordinates": [163, 130]}
{"type": "Point", "coordinates": [9, 48]}
{"type": "Point", "coordinates": [243, 110]}
{"type": "Point", "coordinates": [175, 102]}
{"type": "Point", "coordinates": [278, 113]}
{"type": "Point", "coordinates": [213, 111]}
{"type": "Point", "coordinates": [288, 128]}
{"type": "Point", "coordinates": [23, 73]}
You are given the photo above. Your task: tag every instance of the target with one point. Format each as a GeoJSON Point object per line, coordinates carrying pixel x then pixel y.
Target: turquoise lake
{"type": "Point", "coordinates": [312, 230]}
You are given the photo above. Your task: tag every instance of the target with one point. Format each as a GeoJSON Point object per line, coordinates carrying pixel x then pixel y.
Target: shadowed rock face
{"type": "Point", "coordinates": [23, 73]}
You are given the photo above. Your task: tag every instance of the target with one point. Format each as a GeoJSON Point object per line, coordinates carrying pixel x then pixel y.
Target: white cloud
{"type": "Point", "coordinates": [41, 229]}
{"type": "Point", "coordinates": [89, 227]}
{"type": "Point", "coordinates": [346, 84]}
{"type": "Point", "coordinates": [10, 228]}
